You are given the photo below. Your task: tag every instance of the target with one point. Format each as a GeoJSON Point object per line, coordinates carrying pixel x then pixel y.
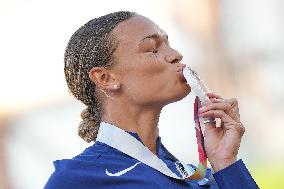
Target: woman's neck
{"type": "Point", "coordinates": [143, 121]}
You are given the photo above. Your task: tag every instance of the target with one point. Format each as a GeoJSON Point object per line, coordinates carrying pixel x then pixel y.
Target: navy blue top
{"type": "Point", "coordinates": [101, 166]}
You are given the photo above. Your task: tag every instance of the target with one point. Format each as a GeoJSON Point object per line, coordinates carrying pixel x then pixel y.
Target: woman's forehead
{"type": "Point", "coordinates": [136, 29]}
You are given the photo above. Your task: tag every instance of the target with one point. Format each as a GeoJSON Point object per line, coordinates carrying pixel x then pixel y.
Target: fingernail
{"type": "Point", "coordinates": [219, 100]}
{"type": "Point", "coordinates": [202, 109]}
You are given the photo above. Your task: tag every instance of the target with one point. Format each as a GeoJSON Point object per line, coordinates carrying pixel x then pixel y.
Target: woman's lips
{"type": "Point", "coordinates": [180, 74]}
{"type": "Point", "coordinates": [181, 68]}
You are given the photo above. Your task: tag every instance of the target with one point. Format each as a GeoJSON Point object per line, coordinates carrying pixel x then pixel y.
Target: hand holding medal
{"type": "Point", "coordinates": [220, 143]}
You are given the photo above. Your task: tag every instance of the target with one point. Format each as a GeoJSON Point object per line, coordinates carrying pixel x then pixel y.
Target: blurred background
{"type": "Point", "coordinates": [237, 47]}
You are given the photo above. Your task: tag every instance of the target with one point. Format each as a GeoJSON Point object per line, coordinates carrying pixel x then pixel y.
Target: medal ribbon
{"type": "Point", "coordinates": [202, 166]}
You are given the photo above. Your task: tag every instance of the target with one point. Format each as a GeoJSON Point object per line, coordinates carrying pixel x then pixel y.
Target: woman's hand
{"type": "Point", "coordinates": [222, 143]}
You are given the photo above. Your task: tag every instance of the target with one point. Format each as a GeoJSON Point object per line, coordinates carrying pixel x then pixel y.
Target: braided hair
{"type": "Point", "coordinates": [90, 46]}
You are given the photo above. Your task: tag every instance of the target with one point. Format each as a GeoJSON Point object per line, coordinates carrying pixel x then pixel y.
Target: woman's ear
{"type": "Point", "coordinates": [104, 79]}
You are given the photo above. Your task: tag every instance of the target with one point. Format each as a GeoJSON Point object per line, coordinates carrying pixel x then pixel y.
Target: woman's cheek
{"type": "Point", "coordinates": [151, 64]}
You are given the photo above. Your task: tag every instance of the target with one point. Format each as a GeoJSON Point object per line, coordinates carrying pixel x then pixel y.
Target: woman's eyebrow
{"type": "Point", "coordinates": [155, 36]}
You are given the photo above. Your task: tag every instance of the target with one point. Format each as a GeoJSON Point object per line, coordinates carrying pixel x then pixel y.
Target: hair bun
{"type": "Point", "coordinates": [88, 128]}
{"type": "Point", "coordinates": [85, 114]}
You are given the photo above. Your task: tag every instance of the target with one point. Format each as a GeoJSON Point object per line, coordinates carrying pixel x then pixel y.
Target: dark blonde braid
{"type": "Point", "coordinates": [90, 46]}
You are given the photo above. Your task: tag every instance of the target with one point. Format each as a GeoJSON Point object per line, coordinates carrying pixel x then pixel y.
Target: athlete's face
{"type": "Point", "coordinates": [145, 65]}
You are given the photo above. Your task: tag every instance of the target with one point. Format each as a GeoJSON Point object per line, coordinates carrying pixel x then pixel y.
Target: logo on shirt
{"type": "Point", "coordinates": [122, 172]}
{"type": "Point", "coordinates": [181, 169]}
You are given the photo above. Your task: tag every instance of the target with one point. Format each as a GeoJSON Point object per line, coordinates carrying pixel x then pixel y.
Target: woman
{"type": "Point", "coordinates": [123, 69]}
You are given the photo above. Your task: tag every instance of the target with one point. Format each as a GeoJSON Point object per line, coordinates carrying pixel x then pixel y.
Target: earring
{"type": "Point", "coordinates": [105, 93]}
{"type": "Point", "coordinates": [115, 86]}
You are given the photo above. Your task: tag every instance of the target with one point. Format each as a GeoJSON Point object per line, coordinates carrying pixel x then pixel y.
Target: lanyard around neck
{"type": "Point", "coordinates": [124, 142]}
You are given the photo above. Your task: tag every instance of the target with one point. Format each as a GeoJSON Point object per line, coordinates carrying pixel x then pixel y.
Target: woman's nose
{"type": "Point", "coordinates": [175, 57]}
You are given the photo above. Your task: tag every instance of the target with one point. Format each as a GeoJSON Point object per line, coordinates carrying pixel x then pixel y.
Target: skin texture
{"type": "Point", "coordinates": [144, 78]}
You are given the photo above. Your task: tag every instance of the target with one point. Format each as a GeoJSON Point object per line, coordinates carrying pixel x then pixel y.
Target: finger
{"type": "Point", "coordinates": [233, 102]}
{"type": "Point", "coordinates": [213, 95]}
{"type": "Point", "coordinates": [210, 125]}
{"type": "Point", "coordinates": [227, 121]}
{"type": "Point", "coordinates": [218, 114]}
{"type": "Point", "coordinates": [216, 100]}
{"type": "Point", "coordinates": [235, 105]}
{"type": "Point", "coordinates": [226, 107]}
{"type": "Point", "coordinates": [216, 106]}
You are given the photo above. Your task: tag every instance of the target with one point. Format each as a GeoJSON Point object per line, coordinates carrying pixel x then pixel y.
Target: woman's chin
{"type": "Point", "coordinates": [185, 90]}
{"type": "Point", "coordinates": [182, 93]}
